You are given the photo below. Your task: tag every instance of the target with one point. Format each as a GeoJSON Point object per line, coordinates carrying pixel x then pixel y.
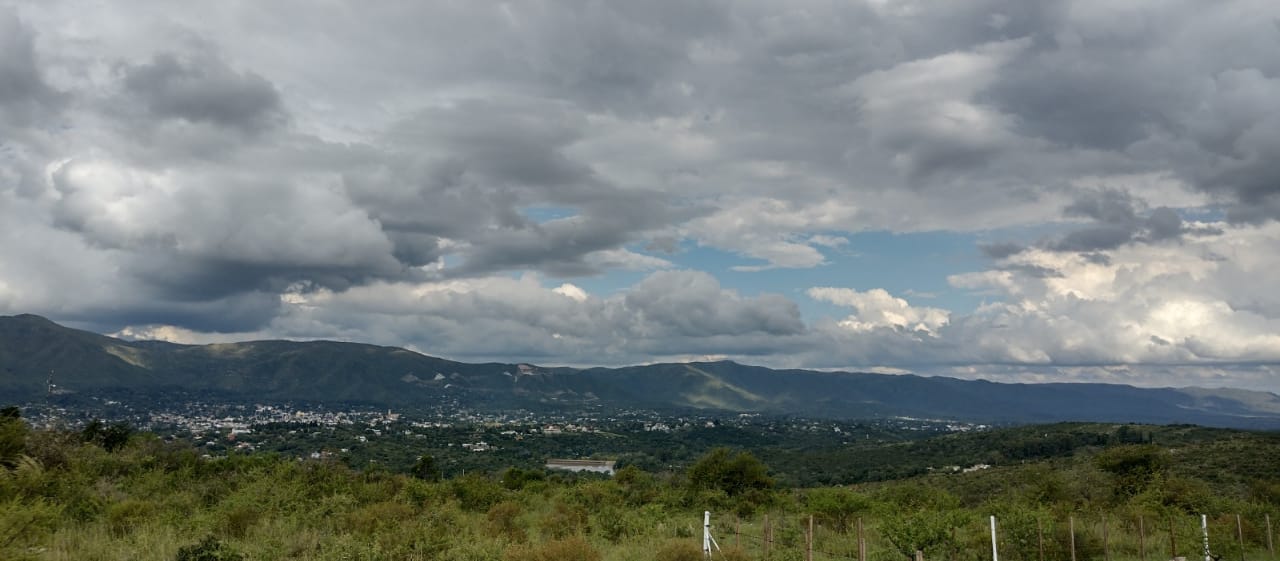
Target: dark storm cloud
{"type": "Point", "coordinates": [241, 312]}
{"type": "Point", "coordinates": [203, 90]}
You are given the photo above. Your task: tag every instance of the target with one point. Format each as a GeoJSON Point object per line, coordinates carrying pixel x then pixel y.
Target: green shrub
{"type": "Point", "coordinates": [569, 549]}
{"type": "Point", "coordinates": [476, 492]}
{"type": "Point", "coordinates": [124, 516]}
{"type": "Point", "coordinates": [372, 518]}
{"type": "Point", "coordinates": [209, 549]}
{"type": "Point", "coordinates": [679, 550]}
{"type": "Point", "coordinates": [503, 519]}
{"type": "Point", "coordinates": [564, 520]}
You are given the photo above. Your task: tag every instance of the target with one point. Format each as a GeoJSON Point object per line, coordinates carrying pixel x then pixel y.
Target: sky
{"type": "Point", "coordinates": [1012, 190]}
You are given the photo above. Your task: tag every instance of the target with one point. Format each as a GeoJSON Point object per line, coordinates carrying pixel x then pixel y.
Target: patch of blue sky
{"type": "Point", "coordinates": [541, 214]}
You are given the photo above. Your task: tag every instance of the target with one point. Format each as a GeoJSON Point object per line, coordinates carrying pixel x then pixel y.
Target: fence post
{"type": "Point", "coordinates": [737, 531]}
{"type": "Point", "coordinates": [1204, 529]}
{"type": "Point", "coordinates": [1040, 537]}
{"type": "Point", "coordinates": [1173, 540]}
{"type": "Point", "coordinates": [768, 535]}
{"type": "Point", "coordinates": [955, 541]}
{"type": "Point", "coordinates": [1270, 549]}
{"type": "Point", "coordinates": [1071, 529]}
{"type": "Point", "coordinates": [862, 541]}
{"type": "Point", "coordinates": [1106, 544]}
{"type": "Point", "coordinates": [1240, 536]}
{"type": "Point", "coordinates": [808, 554]}
{"type": "Point", "coordinates": [919, 555]}
{"type": "Point", "coordinates": [995, 553]}
{"type": "Point", "coordinates": [1142, 539]}
{"type": "Point", "coordinates": [706, 534]}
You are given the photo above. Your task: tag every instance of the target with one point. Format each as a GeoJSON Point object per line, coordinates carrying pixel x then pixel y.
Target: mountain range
{"type": "Point", "coordinates": [334, 372]}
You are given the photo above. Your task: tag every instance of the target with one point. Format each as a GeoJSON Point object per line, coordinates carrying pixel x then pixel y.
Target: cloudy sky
{"type": "Point", "coordinates": [1012, 190]}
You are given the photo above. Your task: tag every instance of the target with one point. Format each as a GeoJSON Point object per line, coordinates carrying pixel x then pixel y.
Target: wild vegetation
{"type": "Point", "coordinates": [95, 495]}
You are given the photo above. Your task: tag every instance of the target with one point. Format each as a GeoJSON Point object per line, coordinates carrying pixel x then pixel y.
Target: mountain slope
{"type": "Point", "coordinates": [31, 347]}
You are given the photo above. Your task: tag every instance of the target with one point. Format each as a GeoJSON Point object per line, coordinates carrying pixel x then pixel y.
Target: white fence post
{"type": "Point", "coordinates": [1204, 529]}
{"type": "Point", "coordinates": [995, 553]}
{"type": "Point", "coordinates": [706, 534]}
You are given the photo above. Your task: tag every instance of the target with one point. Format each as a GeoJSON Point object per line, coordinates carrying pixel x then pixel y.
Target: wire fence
{"type": "Point", "coordinates": [1017, 537]}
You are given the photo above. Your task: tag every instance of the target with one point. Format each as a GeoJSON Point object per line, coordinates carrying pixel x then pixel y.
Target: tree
{"type": "Point", "coordinates": [1132, 467]}
{"type": "Point", "coordinates": [922, 530]}
{"type": "Point", "coordinates": [13, 436]}
{"type": "Point", "coordinates": [836, 505]}
{"type": "Point", "coordinates": [426, 469]}
{"type": "Point", "coordinates": [110, 437]}
{"type": "Point", "coordinates": [734, 474]}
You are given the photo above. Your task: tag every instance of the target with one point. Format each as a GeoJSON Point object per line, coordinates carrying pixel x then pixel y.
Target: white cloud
{"type": "Point", "coordinates": [876, 308]}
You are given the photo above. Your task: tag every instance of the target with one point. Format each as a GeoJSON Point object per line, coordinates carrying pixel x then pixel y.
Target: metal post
{"type": "Point", "coordinates": [995, 553]}
{"type": "Point", "coordinates": [1204, 529]}
{"type": "Point", "coordinates": [706, 534]}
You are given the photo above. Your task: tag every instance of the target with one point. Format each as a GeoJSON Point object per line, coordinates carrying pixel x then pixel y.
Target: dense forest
{"type": "Point", "coordinates": [105, 492]}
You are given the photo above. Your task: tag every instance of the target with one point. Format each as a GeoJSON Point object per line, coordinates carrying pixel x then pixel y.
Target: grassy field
{"type": "Point", "coordinates": [65, 499]}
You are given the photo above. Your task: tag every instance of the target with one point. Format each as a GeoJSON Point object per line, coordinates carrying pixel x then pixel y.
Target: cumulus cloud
{"type": "Point", "coordinates": [876, 308]}
{"type": "Point", "coordinates": [202, 90]}
{"type": "Point", "coordinates": [292, 170]}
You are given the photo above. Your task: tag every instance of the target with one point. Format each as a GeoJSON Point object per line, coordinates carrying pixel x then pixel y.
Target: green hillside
{"type": "Point", "coordinates": [324, 371]}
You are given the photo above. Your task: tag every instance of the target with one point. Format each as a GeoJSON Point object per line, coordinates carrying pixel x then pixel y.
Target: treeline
{"type": "Point", "coordinates": [88, 494]}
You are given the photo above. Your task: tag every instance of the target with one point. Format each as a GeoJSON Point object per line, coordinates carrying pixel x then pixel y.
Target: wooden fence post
{"type": "Point", "coordinates": [737, 531]}
{"type": "Point", "coordinates": [1040, 537]}
{"type": "Point", "coordinates": [768, 535]}
{"type": "Point", "coordinates": [1240, 536]}
{"type": "Point", "coordinates": [1173, 541]}
{"type": "Point", "coordinates": [1270, 549]}
{"type": "Point", "coordinates": [1106, 544]}
{"type": "Point", "coordinates": [1142, 539]}
{"type": "Point", "coordinates": [955, 541]}
{"type": "Point", "coordinates": [1071, 529]}
{"type": "Point", "coordinates": [808, 554]}
{"type": "Point", "coordinates": [919, 555]}
{"type": "Point", "coordinates": [862, 542]}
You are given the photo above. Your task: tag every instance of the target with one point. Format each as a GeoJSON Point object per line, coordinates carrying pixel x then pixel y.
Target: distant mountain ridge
{"type": "Point", "coordinates": [326, 371]}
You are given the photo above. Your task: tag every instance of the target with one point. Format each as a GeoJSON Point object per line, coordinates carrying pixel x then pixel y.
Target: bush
{"type": "Point", "coordinates": [679, 550]}
{"type": "Point", "coordinates": [569, 549]}
{"type": "Point", "coordinates": [209, 549]}
{"type": "Point", "coordinates": [476, 492]}
{"type": "Point", "coordinates": [564, 520]}
{"type": "Point", "coordinates": [503, 520]}
{"type": "Point", "coordinates": [372, 518]}
{"type": "Point", "coordinates": [126, 515]}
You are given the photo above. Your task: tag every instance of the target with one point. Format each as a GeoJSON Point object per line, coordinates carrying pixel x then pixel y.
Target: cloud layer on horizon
{"type": "Point", "coordinates": [443, 176]}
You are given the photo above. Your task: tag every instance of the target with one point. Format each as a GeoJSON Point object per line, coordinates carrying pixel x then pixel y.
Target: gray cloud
{"type": "Point", "coordinates": [1116, 221]}
{"type": "Point", "coordinates": [26, 99]}
{"type": "Point", "coordinates": [203, 90]}
{"type": "Point", "coordinates": [186, 168]}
